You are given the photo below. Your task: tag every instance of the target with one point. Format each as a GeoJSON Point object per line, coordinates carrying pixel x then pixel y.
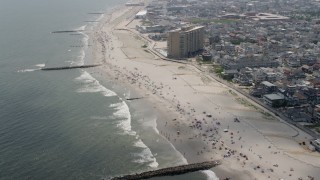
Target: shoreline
{"type": "Point", "coordinates": [183, 101]}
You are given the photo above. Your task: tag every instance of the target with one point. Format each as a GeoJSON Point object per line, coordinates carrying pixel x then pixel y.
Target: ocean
{"type": "Point", "coordinates": [68, 124]}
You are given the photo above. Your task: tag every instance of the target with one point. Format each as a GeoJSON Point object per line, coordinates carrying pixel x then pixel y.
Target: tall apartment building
{"type": "Point", "coordinates": [185, 41]}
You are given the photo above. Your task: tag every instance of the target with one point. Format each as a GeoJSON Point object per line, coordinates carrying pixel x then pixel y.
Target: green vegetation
{"type": "Point", "coordinates": [218, 70]}
{"type": "Point", "coordinates": [223, 21]}
{"type": "Point", "coordinates": [305, 15]}
{"type": "Point", "coordinates": [200, 60]}
{"type": "Point", "coordinates": [146, 23]}
{"type": "Point", "coordinates": [232, 93]}
{"type": "Point", "coordinates": [239, 41]}
{"type": "Point", "coordinates": [313, 126]}
{"type": "Point", "coordinates": [316, 127]}
{"type": "Point", "coordinates": [144, 46]}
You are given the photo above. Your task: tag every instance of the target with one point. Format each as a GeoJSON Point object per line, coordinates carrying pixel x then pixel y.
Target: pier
{"type": "Point", "coordinates": [70, 67]}
{"type": "Point", "coordinates": [170, 171]}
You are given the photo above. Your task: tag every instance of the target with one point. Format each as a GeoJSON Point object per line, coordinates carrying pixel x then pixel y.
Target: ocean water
{"type": "Point", "coordinates": [68, 124]}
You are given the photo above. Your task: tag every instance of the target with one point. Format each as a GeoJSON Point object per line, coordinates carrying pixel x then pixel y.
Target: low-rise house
{"type": "Point", "coordinates": [307, 69]}
{"type": "Point", "coordinates": [259, 76]}
{"type": "Point", "coordinates": [257, 92]}
{"type": "Point", "coordinates": [141, 14]}
{"type": "Point", "coordinates": [293, 63]}
{"type": "Point", "coordinates": [299, 113]}
{"type": "Point", "coordinates": [271, 77]}
{"type": "Point", "coordinates": [301, 97]}
{"type": "Point", "coordinates": [295, 74]}
{"type": "Point", "coordinates": [308, 60]}
{"type": "Point", "coordinates": [316, 112]}
{"type": "Point", "coordinates": [252, 61]}
{"type": "Point", "coordinates": [230, 73]}
{"type": "Point", "coordinates": [315, 82]}
{"type": "Point", "coordinates": [301, 117]}
{"type": "Point", "coordinates": [151, 29]}
{"type": "Point", "coordinates": [268, 87]}
{"type": "Point", "coordinates": [274, 100]}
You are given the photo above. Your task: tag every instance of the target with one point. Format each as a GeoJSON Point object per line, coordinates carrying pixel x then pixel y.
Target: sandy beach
{"type": "Point", "coordinates": [202, 118]}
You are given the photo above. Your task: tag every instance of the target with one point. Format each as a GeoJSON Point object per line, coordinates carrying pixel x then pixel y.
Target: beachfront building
{"type": "Point", "coordinates": [185, 42]}
{"type": "Point", "coordinates": [141, 14]}
{"type": "Point", "coordinates": [274, 100]}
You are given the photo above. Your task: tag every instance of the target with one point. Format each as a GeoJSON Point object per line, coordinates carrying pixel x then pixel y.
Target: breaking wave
{"type": "Point", "coordinates": [123, 112]}
{"type": "Point", "coordinates": [31, 70]}
{"type": "Point", "coordinates": [146, 155]}
{"type": "Point", "coordinates": [210, 175]}
{"type": "Point", "coordinates": [91, 85]}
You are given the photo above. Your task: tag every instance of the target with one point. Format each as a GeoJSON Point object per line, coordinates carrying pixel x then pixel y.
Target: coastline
{"type": "Point", "coordinates": [181, 94]}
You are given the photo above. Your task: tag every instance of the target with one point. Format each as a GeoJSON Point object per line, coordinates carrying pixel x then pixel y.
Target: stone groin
{"type": "Point", "coordinates": [95, 13]}
{"type": "Point", "coordinates": [130, 99]}
{"type": "Point", "coordinates": [66, 31]}
{"type": "Point", "coordinates": [70, 67]}
{"type": "Point", "coordinates": [170, 171]}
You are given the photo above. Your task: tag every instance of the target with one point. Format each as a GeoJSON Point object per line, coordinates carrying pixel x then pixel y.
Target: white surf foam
{"type": "Point", "coordinates": [183, 160]}
{"type": "Point", "coordinates": [82, 54]}
{"type": "Point", "coordinates": [31, 70]}
{"type": "Point", "coordinates": [152, 122]}
{"type": "Point", "coordinates": [40, 65]}
{"type": "Point", "coordinates": [146, 155]}
{"type": "Point", "coordinates": [210, 175]}
{"type": "Point", "coordinates": [100, 17]}
{"type": "Point", "coordinates": [26, 70]}
{"type": "Point", "coordinates": [123, 112]}
{"type": "Point", "coordinates": [92, 85]}
{"type": "Point", "coordinates": [81, 28]}
{"type": "Point", "coordinates": [85, 42]}
{"type": "Point", "coordinates": [154, 126]}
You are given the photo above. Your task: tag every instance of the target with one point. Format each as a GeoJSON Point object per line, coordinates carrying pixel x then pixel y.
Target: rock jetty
{"type": "Point", "coordinates": [70, 67]}
{"type": "Point", "coordinates": [170, 171]}
{"type": "Point", "coordinates": [66, 31]}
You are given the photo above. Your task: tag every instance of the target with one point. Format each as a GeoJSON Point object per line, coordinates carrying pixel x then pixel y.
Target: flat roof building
{"type": "Point", "coordinates": [185, 42]}
{"type": "Point", "coordinates": [141, 14]}
{"type": "Point", "coordinates": [268, 17]}
{"type": "Point", "coordinates": [274, 100]}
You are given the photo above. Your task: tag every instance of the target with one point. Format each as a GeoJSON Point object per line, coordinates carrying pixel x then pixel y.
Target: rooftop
{"type": "Point", "coordinates": [142, 13]}
{"type": "Point", "coordinates": [273, 96]}
{"type": "Point", "coordinates": [187, 29]}
{"type": "Point", "coordinates": [267, 83]}
{"type": "Point", "coordinates": [268, 17]}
